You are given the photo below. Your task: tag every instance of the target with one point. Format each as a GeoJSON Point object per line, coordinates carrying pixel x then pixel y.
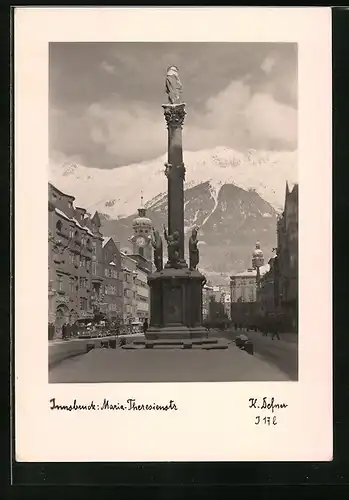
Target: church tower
{"type": "Point", "coordinates": [141, 239]}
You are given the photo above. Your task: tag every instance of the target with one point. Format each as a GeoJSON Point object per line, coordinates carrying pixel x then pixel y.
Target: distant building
{"type": "Point", "coordinates": [142, 252]}
{"type": "Point", "coordinates": [142, 249]}
{"type": "Point", "coordinates": [112, 283]}
{"type": "Point", "coordinates": [244, 284]}
{"type": "Point", "coordinates": [243, 289]}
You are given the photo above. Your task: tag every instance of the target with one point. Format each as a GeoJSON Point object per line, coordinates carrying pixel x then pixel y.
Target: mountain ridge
{"type": "Point", "coordinates": [116, 192]}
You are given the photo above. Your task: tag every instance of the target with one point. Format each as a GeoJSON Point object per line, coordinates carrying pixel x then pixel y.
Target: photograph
{"type": "Point", "coordinates": [173, 212]}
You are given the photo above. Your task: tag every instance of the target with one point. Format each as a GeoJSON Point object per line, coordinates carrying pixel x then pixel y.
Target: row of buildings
{"type": "Point", "coordinates": [278, 287]}
{"type": "Point", "coordinates": [263, 289]}
{"type": "Point", "coordinates": [90, 277]}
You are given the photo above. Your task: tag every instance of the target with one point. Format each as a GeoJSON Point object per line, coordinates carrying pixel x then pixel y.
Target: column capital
{"type": "Point", "coordinates": [174, 114]}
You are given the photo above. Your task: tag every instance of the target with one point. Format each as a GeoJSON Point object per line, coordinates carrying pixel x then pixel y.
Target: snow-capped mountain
{"type": "Point", "coordinates": [116, 192]}
{"type": "Point", "coordinates": [233, 197]}
{"type": "Point", "coordinates": [229, 225]}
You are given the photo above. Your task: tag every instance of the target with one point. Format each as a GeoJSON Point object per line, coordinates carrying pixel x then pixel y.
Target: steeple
{"type": "Point", "coordinates": [142, 233]}
{"type": "Point", "coordinates": [141, 210]}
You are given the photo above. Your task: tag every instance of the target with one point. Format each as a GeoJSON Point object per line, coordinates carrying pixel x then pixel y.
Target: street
{"type": "Point", "coordinates": [283, 353]}
{"type": "Point", "coordinates": [165, 365]}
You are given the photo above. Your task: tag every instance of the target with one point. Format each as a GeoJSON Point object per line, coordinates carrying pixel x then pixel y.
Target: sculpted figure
{"type": "Point", "coordinates": [172, 248]}
{"type": "Point", "coordinates": [156, 242]}
{"type": "Point", "coordinates": [193, 250]}
{"type": "Point", "coordinates": [173, 85]}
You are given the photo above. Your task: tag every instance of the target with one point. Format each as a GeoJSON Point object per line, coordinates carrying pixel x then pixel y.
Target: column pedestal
{"type": "Point", "coordinates": [176, 305]}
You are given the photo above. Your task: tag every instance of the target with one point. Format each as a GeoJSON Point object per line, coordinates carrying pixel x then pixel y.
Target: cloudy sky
{"type": "Point", "coordinates": [105, 98]}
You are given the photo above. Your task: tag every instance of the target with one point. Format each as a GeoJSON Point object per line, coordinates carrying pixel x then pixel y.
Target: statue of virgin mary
{"type": "Point", "coordinates": [173, 85]}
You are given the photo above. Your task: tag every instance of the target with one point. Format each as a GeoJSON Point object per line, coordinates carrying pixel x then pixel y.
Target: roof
{"type": "Point", "coordinates": [72, 198]}
{"type": "Point", "coordinates": [252, 272]}
{"type": "Point", "coordinates": [65, 216]}
{"type": "Point", "coordinates": [105, 240]}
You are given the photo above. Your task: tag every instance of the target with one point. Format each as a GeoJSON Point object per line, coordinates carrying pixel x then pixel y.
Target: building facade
{"type": "Point", "coordinates": [268, 290]}
{"type": "Point", "coordinates": [97, 271]}
{"type": "Point", "coordinates": [71, 238]}
{"type": "Point", "coordinates": [287, 258]}
{"type": "Point", "coordinates": [129, 270]}
{"type": "Point", "coordinates": [244, 284]}
{"type": "Point", "coordinates": [279, 286]}
{"type": "Point", "coordinates": [207, 293]}
{"type": "Point", "coordinates": [112, 281]}
{"type": "Point", "coordinates": [142, 295]}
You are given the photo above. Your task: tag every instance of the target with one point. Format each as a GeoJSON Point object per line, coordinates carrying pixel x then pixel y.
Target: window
{"type": "Point", "coordinates": [59, 282]}
{"type": "Point", "coordinates": [83, 304]}
{"type": "Point", "coordinates": [70, 258]}
{"type": "Point", "coordinates": [82, 240]}
{"type": "Point", "coordinates": [59, 226]}
{"type": "Point", "coordinates": [94, 248]}
{"type": "Point", "coordinates": [77, 260]}
{"type": "Point", "coordinates": [106, 273]}
{"type": "Point", "coordinates": [94, 268]}
{"type": "Point", "coordinates": [70, 205]}
{"type": "Point", "coordinates": [71, 233]}
{"type": "Point", "coordinates": [71, 285]}
{"type": "Point", "coordinates": [81, 282]}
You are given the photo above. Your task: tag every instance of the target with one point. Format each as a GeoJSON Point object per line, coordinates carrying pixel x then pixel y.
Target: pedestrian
{"type": "Point", "coordinates": [145, 326]}
{"type": "Point", "coordinates": [275, 328]}
{"type": "Point", "coordinates": [64, 331]}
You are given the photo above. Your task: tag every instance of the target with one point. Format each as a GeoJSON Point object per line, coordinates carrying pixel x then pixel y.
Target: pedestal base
{"type": "Point", "coordinates": [176, 305]}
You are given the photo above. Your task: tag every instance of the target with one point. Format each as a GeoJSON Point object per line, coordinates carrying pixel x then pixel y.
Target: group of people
{"type": "Point", "coordinates": [268, 324]}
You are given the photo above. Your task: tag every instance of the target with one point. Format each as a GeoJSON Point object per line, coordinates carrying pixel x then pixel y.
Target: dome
{"type": "Point", "coordinates": [141, 222]}
{"type": "Point", "coordinates": [257, 251]}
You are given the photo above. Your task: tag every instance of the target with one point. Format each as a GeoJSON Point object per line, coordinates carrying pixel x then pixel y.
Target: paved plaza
{"type": "Point", "coordinates": [165, 365]}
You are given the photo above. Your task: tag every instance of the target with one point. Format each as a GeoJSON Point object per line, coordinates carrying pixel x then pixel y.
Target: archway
{"type": "Point", "coordinates": [62, 316]}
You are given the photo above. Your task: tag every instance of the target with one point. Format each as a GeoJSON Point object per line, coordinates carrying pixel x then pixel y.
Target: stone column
{"type": "Point", "coordinates": [175, 171]}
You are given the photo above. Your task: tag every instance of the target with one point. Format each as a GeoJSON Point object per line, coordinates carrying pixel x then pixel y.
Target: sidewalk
{"type": "Point", "coordinates": [60, 350]}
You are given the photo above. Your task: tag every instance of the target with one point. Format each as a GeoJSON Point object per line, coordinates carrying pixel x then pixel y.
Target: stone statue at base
{"type": "Point", "coordinates": [173, 85]}
{"type": "Point", "coordinates": [193, 250]}
{"type": "Point", "coordinates": [156, 242]}
{"type": "Point", "coordinates": [173, 249]}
